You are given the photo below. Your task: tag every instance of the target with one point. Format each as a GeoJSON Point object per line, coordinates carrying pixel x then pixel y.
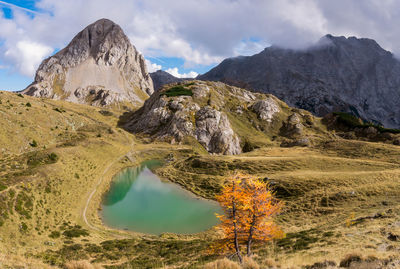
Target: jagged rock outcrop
{"type": "Point", "coordinates": [174, 118]}
{"type": "Point", "coordinates": [214, 132]}
{"type": "Point", "coordinates": [99, 67]}
{"type": "Point", "coordinates": [161, 78]}
{"type": "Point", "coordinates": [266, 108]}
{"type": "Point", "coordinates": [336, 74]}
{"type": "Point", "coordinates": [222, 118]}
{"type": "Point", "coordinates": [293, 126]}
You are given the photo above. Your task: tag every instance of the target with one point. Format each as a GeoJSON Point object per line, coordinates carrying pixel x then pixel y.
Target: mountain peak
{"type": "Point", "coordinates": [96, 40]}
{"type": "Point", "coordinates": [99, 64]}
{"type": "Point", "coordinates": [351, 40]}
{"type": "Point", "coordinates": [338, 73]}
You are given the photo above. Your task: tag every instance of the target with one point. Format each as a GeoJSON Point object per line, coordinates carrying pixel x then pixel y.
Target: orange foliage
{"type": "Point", "coordinates": [249, 207]}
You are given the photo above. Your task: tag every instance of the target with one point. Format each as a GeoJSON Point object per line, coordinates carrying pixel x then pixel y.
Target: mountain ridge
{"type": "Point", "coordinates": [333, 75]}
{"type": "Point", "coordinates": [160, 78]}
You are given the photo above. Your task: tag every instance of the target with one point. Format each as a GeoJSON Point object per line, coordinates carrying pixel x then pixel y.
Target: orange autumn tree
{"type": "Point", "coordinates": [249, 206]}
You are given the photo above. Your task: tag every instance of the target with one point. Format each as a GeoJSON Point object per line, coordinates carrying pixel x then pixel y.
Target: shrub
{"type": "Point", "coordinates": [349, 259]}
{"type": "Point", "coordinates": [2, 187]}
{"type": "Point", "coordinates": [75, 231]}
{"type": "Point", "coordinates": [353, 122]}
{"type": "Point", "coordinates": [20, 95]}
{"type": "Point", "coordinates": [59, 110]}
{"type": "Point", "coordinates": [23, 227]}
{"type": "Point", "coordinates": [106, 113]}
{"type": "Point", "coordinates": [33, 144]}
{"type": "Point", "coordinates": [54, 234]}
{"type": "Point", "coordinates": [28, 104]}
{"type": "Point", "coordinates": [53, 157]}
{"type": "Point", "coordinates": [178, 91]}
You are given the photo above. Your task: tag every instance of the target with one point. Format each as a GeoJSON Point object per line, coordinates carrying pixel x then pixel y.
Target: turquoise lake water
{"type": "Point", "coordinates": [139, 201]}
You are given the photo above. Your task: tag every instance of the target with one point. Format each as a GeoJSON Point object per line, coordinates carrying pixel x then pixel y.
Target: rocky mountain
{"type": "Point", "coordinates": [222, 119]}
{"type": "Point", "coordinates": [160, 78]}
{"type": "Point", "coordinates": [99, 66]}
{"type": "Point", "coordinates": [336, 74]}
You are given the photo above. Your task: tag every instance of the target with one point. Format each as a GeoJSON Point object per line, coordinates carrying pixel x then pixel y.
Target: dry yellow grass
{"type": "Point", "coordinates": [222, 264]}
{"type": "Point", "coordinates": [340, 195]}
{"type": "Point", "coordinates": [18, 261]}
{"type": "Point", "coordinates": [82, 265]}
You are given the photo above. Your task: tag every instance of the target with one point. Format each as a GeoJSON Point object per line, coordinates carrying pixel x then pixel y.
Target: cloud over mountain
{"type": "Point", "coordinates": [199, 32]}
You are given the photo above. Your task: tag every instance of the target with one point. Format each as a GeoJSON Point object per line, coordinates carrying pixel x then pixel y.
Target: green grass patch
{"type": "Point", "coordinates": [41, 158]}
{"type": "Point", "coordinates": [299, 241]}
{"type": "Point", "coordinates": [354, 122]}
{"type": "Point", "coordinates": [75, 231]}
{"type": "Point", "coordinates": [33, 144]}
{"type": "Point", "coordinates": [54, 234]}
{"type": "Point", "coordinates": [178, 91]}
{"type": "Point", "coordinates": [2, 187]}
{"type": "Point", "coordinates": [24, 205]}
{"type": "Point", "coordinates": [60, 110]}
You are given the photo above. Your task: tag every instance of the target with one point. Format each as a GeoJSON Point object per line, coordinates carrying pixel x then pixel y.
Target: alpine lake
{"type": "Point", "coordinates": [139, 201]}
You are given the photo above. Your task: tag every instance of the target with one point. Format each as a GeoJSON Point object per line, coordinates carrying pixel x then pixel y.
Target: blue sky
{"type": "Point", "coordinates": [187, 37]}
{"type": "Point", "coordinates": [12, 80]}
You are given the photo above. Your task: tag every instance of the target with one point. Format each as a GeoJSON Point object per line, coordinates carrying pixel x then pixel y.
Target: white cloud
{"type": "Point", "coordinates": [175, 72]}
{"type": "Point", "coordinates": [200, 32]}
{"type": "Point", "coordinates": [27, 56]}
{"type": "Point", "coordinates": [248, 47]}
{"type": "Point", "coordinates": [152, 67]}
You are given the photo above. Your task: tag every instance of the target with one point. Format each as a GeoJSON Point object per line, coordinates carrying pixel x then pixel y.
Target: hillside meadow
{"type": "Point", "coordinates": [57, 159]}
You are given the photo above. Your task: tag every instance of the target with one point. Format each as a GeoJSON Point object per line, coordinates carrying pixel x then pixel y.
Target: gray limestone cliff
{"type": "Point", "coordinates": [99, 67]}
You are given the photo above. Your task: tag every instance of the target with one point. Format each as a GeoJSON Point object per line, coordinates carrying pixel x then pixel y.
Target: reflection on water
{"type": "Point", "coordinates": [139, 201]}
{"type": "Point", "coordinates": [122, 184]}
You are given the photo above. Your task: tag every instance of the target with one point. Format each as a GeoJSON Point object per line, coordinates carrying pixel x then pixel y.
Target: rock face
{"type": "Point", "coordinates": [160, 78]}
{"type": "Point", "coordinates": [174, 118]}
{"type": "Point", "coordinates": [336, 74]}
{"type": "Point", "coordinates": [214, 132]}
{"type": "Point", "coordinates": [99, 67]}
{"type": "Point", "coordinates": [266, 109]}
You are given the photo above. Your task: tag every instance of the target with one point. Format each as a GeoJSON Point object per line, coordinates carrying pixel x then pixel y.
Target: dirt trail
{"type": "Point", "coordinates": [98, 184]}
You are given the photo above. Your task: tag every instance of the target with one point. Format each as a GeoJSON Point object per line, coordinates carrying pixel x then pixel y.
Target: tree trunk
{"type": "Point", "coordinates": [250, 238]}
{"type": "Point", "coordinates": [235, 228]}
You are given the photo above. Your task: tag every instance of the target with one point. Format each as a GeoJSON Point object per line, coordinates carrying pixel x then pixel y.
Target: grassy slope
{"type": "Point", "coordinates": [326, 188]}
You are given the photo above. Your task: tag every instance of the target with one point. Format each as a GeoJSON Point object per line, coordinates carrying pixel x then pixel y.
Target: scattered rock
{"type": "Point", "coordinates": [266, 109]}
{"type": "Point", "coordinates": [322, 265]}
{"type": "Point", "coordinates": [349, 259]}
{"type": "Point", "coordinates": [301, 142]}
